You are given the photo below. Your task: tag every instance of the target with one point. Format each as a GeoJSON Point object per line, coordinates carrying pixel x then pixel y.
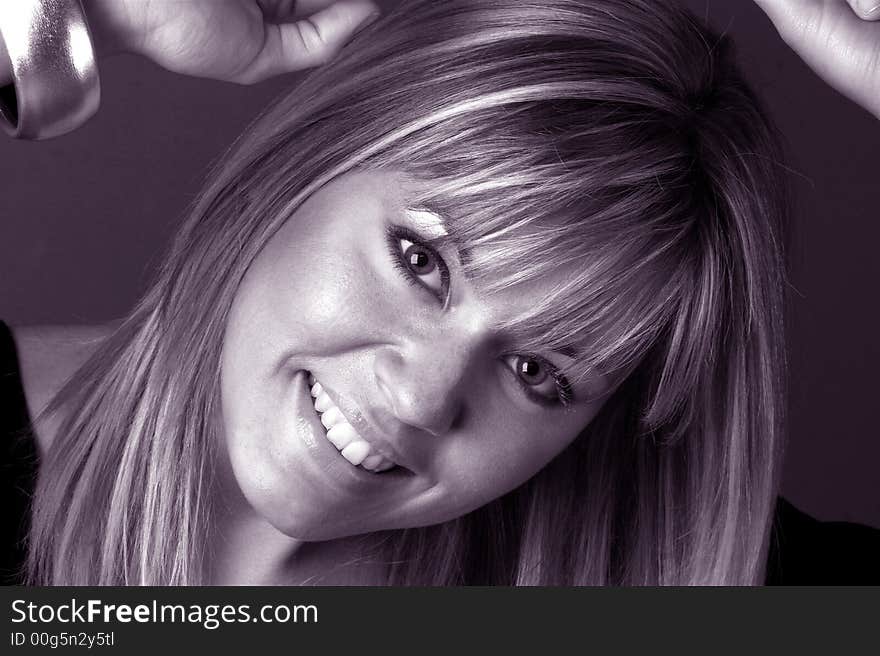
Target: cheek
{"type": "Point", "coordinates": [502, 452]}
{"type": "Point", "coordinates": [319, 292]}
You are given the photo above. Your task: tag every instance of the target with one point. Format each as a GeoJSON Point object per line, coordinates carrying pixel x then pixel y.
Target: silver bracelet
{"type": "Point", "coordinates": [53, 68]}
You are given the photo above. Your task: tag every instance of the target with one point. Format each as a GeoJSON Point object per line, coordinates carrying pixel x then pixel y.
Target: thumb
{"type": "Point", "coordinates": [311, 40]}
{"type": "Point", "coordinates": [800, 21]}
{"type": "Point", "coordinates": [792, 18]}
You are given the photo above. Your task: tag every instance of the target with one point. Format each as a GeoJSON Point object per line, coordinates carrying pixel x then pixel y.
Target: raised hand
{"type": "Point", "coordinates": [242, 41]}
{"type": "Point", "coordinates": [838, 39]}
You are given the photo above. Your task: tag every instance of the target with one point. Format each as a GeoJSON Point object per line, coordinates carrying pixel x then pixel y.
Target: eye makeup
{"type": "Point", "coordinates": [428, 223]}
{"type": "Point", "coordinates": [417, 259]}
{"type": "Point", "coordinates": [408, 260]}
{"type": "Point", "coordinates": [522, 366]}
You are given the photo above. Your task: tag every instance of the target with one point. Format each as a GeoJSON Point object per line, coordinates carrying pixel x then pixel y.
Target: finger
{"type": "Point", "coordinates": [791, 16]}
{"type": "Point", "coordinates": [866, 9]}
{"type": "Point", "coordinates": [277, 11]}
{"type": "Point", "coordinates": [821, 27]}
{"type": "Point", "coordinates": [840, 47]}
{"type": "Point", "coordinates": [312, 40]}
{"type": "Point", "coordinates": [309, 7]}
{"type": "Point", "coordinates": [281, 11]}
{"type": "Point", "coordinates": [285, 11]}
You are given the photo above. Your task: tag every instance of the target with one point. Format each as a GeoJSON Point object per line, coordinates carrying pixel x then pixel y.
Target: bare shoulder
{"type": "Point", "coordinates": [49, 356]}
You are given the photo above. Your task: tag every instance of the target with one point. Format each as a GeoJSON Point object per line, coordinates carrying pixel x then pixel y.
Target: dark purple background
{"type": "Point", "coordinates": [85, 217]}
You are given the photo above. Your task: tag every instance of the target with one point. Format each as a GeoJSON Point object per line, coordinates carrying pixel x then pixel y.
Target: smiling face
{"type": "Point", "coordinates": [357, 316]}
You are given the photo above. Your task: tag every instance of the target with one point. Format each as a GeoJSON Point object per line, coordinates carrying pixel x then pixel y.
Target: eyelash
{"type": "Point", "coordinates": [564, 393]}
{"type": "Point", "coordinates": [393, 235]}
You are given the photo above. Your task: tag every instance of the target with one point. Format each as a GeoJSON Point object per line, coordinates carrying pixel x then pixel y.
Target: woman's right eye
{"type": "Point", "coordinates": [419, 263]}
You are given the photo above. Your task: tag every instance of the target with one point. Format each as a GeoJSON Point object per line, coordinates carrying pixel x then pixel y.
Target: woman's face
{"type": "Point", "coordinates": [414, 380]}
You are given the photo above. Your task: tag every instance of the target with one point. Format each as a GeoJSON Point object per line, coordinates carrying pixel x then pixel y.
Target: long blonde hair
{"type": "Point", "coordinates": [614, 134]}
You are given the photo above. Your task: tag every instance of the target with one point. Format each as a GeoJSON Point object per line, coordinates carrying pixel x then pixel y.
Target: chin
{"type": "Point", "coordinates": [298, 515]}
{"type": "Point", "coordinates": [313, 527]}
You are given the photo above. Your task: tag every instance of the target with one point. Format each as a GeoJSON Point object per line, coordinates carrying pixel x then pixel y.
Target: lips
{"type": "Point", "coordinates": [339, 432]}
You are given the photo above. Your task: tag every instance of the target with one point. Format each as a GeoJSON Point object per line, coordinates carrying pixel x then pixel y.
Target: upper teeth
{"type": "Point", "coordinates": [343, 436]}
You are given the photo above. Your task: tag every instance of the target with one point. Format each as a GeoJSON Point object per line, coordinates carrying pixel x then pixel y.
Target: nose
{"type": "Point", "coordinates": [425, 384]}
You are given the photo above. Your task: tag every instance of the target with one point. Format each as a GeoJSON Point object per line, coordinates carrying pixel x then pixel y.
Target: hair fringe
{"type": "Point", "coordinates": [645, 157]}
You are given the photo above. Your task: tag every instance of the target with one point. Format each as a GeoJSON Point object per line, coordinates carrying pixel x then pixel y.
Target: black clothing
{"type": "Point", "coordinates": [18, 461]}
{"type": "Point", "coordinates": [803, 550]}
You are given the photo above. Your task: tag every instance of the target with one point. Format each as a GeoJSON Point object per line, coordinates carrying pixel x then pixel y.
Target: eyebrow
{"type": "Point", "coordinates": [432, 225]}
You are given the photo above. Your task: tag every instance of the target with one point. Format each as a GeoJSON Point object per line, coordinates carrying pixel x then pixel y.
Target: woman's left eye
{"type": "Point", "coordinates": [419, 263]}
{"type": "Point", "coordinates": [541, 381]}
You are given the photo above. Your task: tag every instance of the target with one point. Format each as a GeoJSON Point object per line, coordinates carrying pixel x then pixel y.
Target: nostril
{"type": "Point", "coordinates": [421, 385]}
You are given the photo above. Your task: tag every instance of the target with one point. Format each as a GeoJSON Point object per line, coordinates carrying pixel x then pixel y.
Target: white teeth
{"type": "Point", "coordinates": [311, 379]}
{"type": "Point", "coordinates": [356, 452]}
{"type": "Point", "coordinates": [342, 435]}
{"type": "Point", "coordinates": [323, 402]}
{"type": "Point", "coordinates": [377, 463]}
{"type": "Point", "coordinates": [370, 462]}
{"type": "Point", "coordinates": [332, 417]}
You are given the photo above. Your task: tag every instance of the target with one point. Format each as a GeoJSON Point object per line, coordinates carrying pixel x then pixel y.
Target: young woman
{"type": "Point", "coordinates": [493, 297]}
